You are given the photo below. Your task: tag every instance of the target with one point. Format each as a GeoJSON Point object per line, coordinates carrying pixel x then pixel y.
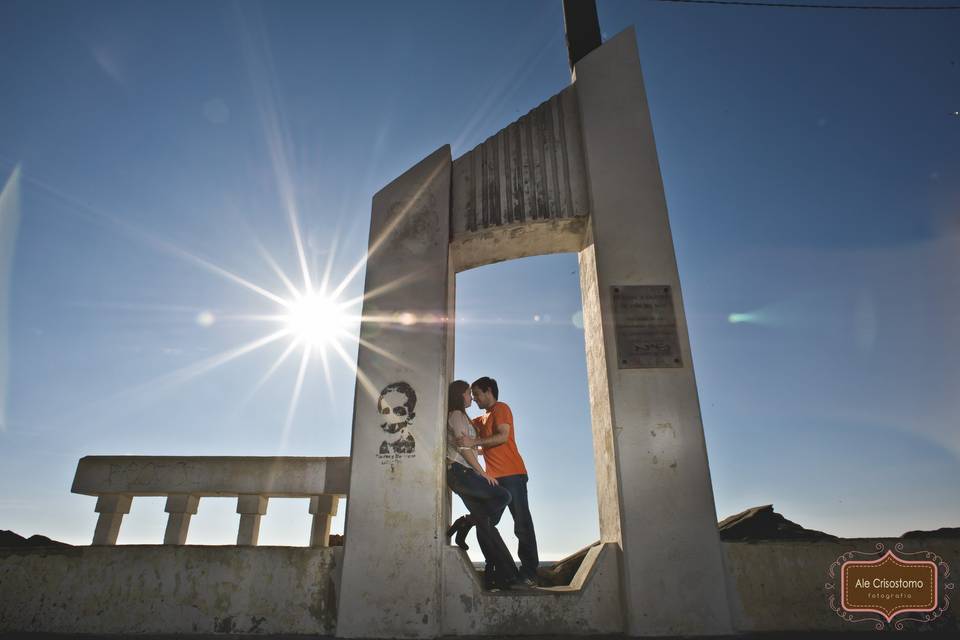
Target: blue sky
{"type": "Point", "coordinates": [811, 163]}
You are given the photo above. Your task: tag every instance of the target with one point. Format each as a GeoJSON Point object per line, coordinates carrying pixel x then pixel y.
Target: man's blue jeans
{"type": "Point", "coordinates": [484, 500]}
{"type": "Point", "coordinates": [522, 523]}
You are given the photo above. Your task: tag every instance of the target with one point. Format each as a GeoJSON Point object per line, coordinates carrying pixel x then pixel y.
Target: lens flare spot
{"type": "Point", "coordinates": [206, 319]}
{"type": "Point", "coordinates": [736, 318]}
{"type": "Point", "coordinates": [577, 319]}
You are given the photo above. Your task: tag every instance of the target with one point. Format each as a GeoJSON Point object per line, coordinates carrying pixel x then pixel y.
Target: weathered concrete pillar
{"type": "Point", "coordinates": [251, 510]}
{"type": "Point", "coordinates": [390, 585]}
{"type": "Point", "coordinates": [323, 508]}
{"type": "Point", "coordinates": [181, 508]}
{"type": "Point", "coordinates": [111, 508]}
{"type": "Point", "coordinates": [654, 491]}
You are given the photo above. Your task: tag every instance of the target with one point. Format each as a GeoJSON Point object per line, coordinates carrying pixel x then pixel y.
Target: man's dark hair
{"type": "Point", "coordinates": [486, 384]}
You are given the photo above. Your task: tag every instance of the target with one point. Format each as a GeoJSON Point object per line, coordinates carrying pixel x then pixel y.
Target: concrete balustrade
{"type": "Point", "coordinates": [116, 480]}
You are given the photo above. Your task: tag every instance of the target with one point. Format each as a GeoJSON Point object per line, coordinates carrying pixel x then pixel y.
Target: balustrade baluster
{"type": "Point", "coordinates": [250, 508]}
{"type": "Point", "coordinates": [323, 509]}
{"type": "Point", "coordinates": [111, 508]}
{"type": "Point", "coordinates": [181, 508]}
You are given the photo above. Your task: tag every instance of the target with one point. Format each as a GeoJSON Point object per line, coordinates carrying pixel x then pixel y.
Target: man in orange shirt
{"type": "Point", "coordinates": [495, 431]}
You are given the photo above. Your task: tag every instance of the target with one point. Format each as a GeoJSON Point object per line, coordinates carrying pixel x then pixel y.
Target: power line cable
{"type": "Point", "coordinates": [798, 5]}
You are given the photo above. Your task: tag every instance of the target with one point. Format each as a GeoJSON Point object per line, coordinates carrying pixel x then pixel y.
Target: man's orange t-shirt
{"type": "Point", "coordinates": [504, 459]}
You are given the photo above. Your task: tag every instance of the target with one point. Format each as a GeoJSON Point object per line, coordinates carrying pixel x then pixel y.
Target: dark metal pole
{"type": "Point", "coordinates": [582, 25]}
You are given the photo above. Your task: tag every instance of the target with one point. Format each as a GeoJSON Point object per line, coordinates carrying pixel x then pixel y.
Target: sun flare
{"type": "Point", "coordinates": [315, 319]}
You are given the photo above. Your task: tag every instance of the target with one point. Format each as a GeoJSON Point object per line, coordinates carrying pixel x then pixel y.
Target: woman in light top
{"type": "Point", "coordinates": [480, 493]}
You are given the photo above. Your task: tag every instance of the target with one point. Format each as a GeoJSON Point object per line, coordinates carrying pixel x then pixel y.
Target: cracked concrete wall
{"type": "Point", "coordinates": [167, 589]}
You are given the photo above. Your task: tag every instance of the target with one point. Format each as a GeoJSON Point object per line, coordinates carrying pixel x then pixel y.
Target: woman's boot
{"type": "Point", "coordinates": [461, 539]}
{"type": "Point", "coordinates": [460, 527]}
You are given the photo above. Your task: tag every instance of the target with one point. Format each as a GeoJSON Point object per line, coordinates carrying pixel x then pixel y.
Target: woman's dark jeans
{"type": "Point", "coordinates": [484, 500]}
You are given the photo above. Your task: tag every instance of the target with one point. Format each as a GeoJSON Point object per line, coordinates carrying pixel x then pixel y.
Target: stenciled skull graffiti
{"type": "Point", "coordinates": [397, 405]}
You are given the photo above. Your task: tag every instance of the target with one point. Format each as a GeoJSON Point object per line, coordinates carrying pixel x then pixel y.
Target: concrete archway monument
{"type": "Point", "coordinates": [579, 173]}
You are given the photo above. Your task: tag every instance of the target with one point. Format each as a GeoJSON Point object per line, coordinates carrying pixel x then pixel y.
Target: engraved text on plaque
{"type": "Point", "coordinates": [646, 327]}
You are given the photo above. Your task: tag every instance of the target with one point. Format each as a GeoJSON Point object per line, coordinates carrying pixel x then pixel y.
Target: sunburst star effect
{"type": "Point", "coordinates": [313, 319]}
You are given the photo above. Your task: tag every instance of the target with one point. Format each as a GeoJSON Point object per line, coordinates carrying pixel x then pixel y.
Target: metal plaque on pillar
{"type": "Point", "coordinates": [646, 327]}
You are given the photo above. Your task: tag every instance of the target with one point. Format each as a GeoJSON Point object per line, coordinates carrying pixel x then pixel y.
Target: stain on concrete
{"type": "Point", "coordinates": [223, 625]}
{"type": "Point", "coordinates": [181, 590]}
{"type": "Point", "coordinates": [665, 428]}
{"type": "Point", "coordinates": [418, 222]}
{"type": "Point", "coordinates": [331, 596]}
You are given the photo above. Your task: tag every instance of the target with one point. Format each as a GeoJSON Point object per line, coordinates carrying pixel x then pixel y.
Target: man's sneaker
{"type": "Point", "coordinates": [530, 583]}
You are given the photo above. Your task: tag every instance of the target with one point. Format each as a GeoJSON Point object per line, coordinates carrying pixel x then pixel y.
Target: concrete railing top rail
{"type": "Point", "coordinates": [288, 477]}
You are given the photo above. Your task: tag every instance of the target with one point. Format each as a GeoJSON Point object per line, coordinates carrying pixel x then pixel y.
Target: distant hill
{"type": "Point", "coordinates": [11, 539]}
{"type": "Point", "coordinates": [763, 523]}
{"type": "Point", "coordinates": [942, 532]}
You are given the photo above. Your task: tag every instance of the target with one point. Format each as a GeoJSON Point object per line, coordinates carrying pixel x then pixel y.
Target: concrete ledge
{"type": "Point", "coordinates": [163, 589]}
{"type": "Point", "coordinates": [590, 605]}
{"type": "Point", "coordinates": [291, 477]}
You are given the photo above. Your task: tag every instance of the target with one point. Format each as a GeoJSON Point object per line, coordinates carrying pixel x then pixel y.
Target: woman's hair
{"type": "Point", "coordinates": [455, 396]}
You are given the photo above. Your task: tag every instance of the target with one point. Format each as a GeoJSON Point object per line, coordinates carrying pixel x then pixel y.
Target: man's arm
{"type": "Point", "coordinates": [471, 457]}
{"type": "Point", "coordinates": [498, 438]}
